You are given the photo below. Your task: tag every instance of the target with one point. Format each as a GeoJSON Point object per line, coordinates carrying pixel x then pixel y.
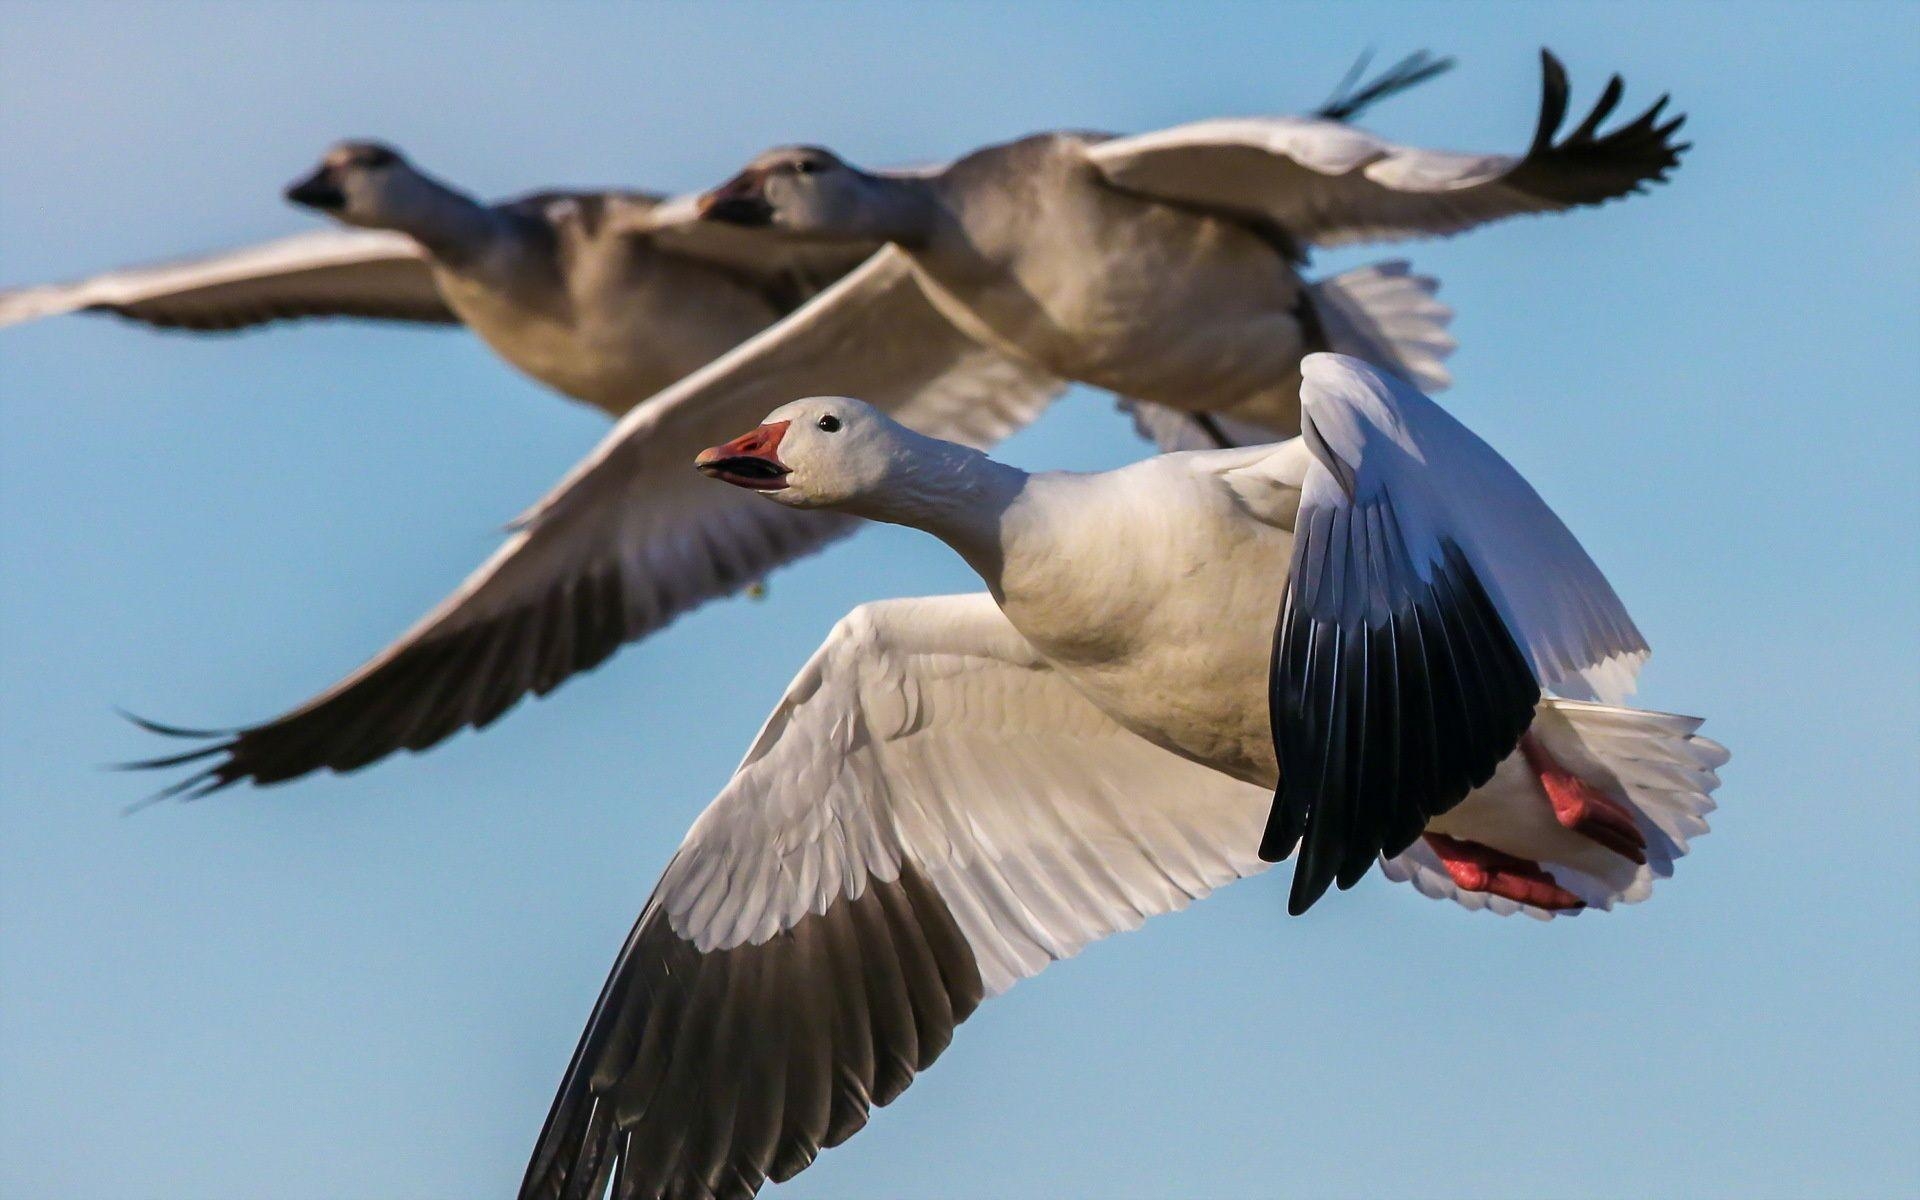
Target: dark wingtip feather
{"type": "Point", "coordinates": [1586, 166]}
{"type": "Point", "coordinates": [174, 731]}
{"type": "Point", "coordinates": [1348, 102]}
{"type": "Point", "coordinates": [1350, 704]}
{"type": "Point", "coordinates": [202, 783]}
{"type": "Point", "coordinates": [194, 787]}
{"type": "Point", "coordinates": [168, 760]}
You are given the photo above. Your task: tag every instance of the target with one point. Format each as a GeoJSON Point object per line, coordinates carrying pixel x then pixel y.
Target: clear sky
{"type": "Point", "coordinates": [367, 987]}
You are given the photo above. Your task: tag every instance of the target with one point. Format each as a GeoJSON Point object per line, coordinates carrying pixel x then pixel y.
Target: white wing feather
{"type": "Point", "coordinates": [1446, 483]}
{"type": "Point", "coordinates": [928, 731]}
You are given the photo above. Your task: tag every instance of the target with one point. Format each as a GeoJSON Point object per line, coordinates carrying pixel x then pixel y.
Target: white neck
{"type": "Point", "coordinates": [957, 494]}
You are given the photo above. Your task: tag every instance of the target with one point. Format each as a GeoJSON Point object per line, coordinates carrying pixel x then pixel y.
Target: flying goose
{"type": "Point", "coordinates": [604, 296]}
{"type": "Point", "coordinates": [956, 791]}
{"type": "Point", "coordinates": [1010, 271]}
{"type": "Point", "coordinates": [1164, 266]}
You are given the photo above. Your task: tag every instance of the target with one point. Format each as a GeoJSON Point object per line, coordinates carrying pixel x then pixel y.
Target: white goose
{"type": "Point", "coordinates": [604, 296]}
{"type": "Point", "coordinates": [957, 791]}
{"type": "Point", "coordinates": [1060, 256]}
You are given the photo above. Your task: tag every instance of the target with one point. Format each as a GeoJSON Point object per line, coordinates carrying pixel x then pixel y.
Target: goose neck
{"type": "Point", "coordinates": [958, 495]}
{"type": "Point", "coordinates": [453, 226]}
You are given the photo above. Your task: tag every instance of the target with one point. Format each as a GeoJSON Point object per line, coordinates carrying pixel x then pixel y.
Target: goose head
{"type": "Point", "coordinates": [809, 192]}
{"type": "Point", "coordinates": [822, 452]}
{"type": "Point", "coordinates": [367, 184]}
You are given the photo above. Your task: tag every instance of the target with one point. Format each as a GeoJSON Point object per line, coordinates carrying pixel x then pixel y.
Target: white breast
{"type": "Point", "coordinates": [1155, 594]}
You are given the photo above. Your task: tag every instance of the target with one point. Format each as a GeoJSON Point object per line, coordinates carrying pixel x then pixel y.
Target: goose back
{"type": "Point", "coordinates": [1036, 254]}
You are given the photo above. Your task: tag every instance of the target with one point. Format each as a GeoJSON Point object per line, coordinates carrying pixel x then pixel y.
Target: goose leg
{"type": "Point", "coordinates": [1478, 868]}
{"type": "Point", "coordinates": [1583, 808]}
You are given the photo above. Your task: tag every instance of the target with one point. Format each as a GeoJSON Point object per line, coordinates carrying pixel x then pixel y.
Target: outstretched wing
{"type": "Point", "coordinates": [633, 537]}
{"type": "Point", "coordinates": [931, 814]}
{"type": "Point", "coordinates": [1327, 183]}
{"type": "Point", "coordinates": [326, 273]}
{"type": "Point", "coordinates": [1432, 595]}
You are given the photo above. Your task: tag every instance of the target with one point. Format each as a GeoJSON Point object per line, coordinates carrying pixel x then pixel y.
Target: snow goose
{"type": "Point", "coordinates": [628, 541]}
{"type": "Point", "coordinates": [957, 791]}
{"type": "Point", "coordinates": [604, 296]}
{"type": "Point", "coordinates": [1164, 266]}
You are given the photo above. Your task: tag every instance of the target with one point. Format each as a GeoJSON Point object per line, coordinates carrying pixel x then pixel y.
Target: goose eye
{"type": "Point", "coordinates": [829, 423]}
{"type": "Point", "coordinates": [805, 166]}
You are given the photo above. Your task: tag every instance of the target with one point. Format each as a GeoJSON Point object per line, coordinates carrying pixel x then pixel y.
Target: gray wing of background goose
{"type": "Point", "coordinates": [326, 273]}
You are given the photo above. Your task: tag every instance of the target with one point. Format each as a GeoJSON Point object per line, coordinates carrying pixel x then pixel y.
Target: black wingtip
{"type": "Point", "coordinates": [193, 787]}
{"type": "Point", "coordinates": [173, 731]}
{"type": "Point", "coordinates": [1280, 838]}
{"type": "Point", "coordinates": [1348, 101]}
{"type": "Point", "coordinates": [202, 783]}
{"type": "Point", "coordinates": [1555, 91]}
{"type": "Point", "coordinates": [1586, 166]}
{"type": "Point", "coordinates": [1306, 892]}
{"type": "Point", "coordinates": [164, 761]}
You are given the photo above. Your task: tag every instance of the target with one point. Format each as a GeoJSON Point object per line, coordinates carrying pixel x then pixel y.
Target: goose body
{"type": "Point", "coordinates": [1035, 254]}
{"type": "Point", "coordinates": [575, 293]}
{"type": "Point", "coordinates": [1152, 592]}
{"type": "Point", "coordinates": [957, 791]}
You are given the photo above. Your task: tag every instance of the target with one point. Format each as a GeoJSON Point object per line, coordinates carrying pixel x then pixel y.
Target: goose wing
{"type": "Point", "coordinates": [633, 537]}
{"type": "Point", "coordinates": [325, 273]}
{"type": "Point", "coordinates": [1327, 183]}
{"type": "Point", "coordinates": [930, 814]}
{"type": "Point", "coordinates": [1432, 595]}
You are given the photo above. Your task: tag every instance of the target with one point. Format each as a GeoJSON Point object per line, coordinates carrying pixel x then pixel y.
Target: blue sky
{"type": "Point", "coordinates": [368, 987]}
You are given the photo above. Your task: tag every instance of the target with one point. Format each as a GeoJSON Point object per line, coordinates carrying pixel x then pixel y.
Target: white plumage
{"type": "Point", "coordinates": [956, 791]}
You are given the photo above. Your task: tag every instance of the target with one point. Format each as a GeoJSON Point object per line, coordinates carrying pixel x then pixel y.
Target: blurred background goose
{"type": "Point", "coordinates": [1165, 267]}
{"type": "Point", "coordinates": [1007, 274]}
{"type": "Point", "coordinates": [587, 292]}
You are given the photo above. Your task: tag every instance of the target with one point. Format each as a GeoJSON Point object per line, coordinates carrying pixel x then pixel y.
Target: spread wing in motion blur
{"type": "Point", "coordinates": [326, 273]}
{"type": "Point", "coordinates": [1327, 183]}
{"type": "Point", "coordinates": [633, 537]}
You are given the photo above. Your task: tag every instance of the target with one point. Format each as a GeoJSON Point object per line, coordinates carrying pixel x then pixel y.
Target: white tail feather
{"type": "Point", "coordinates": [1651, 763]}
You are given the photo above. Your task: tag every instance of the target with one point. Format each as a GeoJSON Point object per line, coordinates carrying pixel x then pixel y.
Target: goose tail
{"type": "Point", "coordinates": [1387, 315]}
{"type": "Point", "coordinates": [1653, 766]}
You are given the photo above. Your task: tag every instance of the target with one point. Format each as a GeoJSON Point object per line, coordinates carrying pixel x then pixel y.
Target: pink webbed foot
{"type": "Point", "coordinates": [1583, 808]}
{"type": "Point", "coordinates": [1478, 868]}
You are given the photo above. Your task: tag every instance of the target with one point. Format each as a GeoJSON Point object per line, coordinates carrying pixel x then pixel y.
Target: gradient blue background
{"type": "Point", "coordinates": [368, 987]}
